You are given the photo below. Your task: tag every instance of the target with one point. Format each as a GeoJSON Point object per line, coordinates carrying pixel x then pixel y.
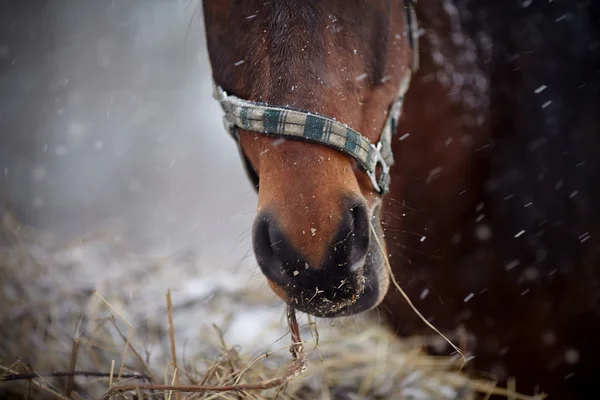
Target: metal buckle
{"type": "Point", "coordinates": [381, 184]}
{"type": "Point", "coordinates": [218, 93]}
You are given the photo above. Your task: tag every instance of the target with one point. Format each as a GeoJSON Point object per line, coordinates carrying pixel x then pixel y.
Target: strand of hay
{"type": "Point", "coordinates": [473, 384]}
{"type": "Point", "coordinates": [298, 367]}
{"type": "Point", "coordinates": [408, 300]}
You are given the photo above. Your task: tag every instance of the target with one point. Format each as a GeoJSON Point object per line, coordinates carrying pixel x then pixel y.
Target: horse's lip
{"type": "Point", "coordinates": [366, 297]}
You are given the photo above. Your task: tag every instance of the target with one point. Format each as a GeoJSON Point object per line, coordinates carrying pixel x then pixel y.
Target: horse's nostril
{"type": "Point", "coordinates": [360, 218]}
{"type": "Point", "coordinates": [361, 225]}
{"type": "Point", "coordinates": [353, 238]}
{"type": "Point", "coordinates": [263, 241]}
{"type": "Point", "coordinates": [285, 264]}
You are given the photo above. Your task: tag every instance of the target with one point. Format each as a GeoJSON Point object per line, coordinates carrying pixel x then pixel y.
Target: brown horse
{"type": "Point", "coordinates": [493, 204]}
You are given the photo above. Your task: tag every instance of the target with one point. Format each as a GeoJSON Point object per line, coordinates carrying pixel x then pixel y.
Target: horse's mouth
{"type": "Point", "coordinates": [325, 296]}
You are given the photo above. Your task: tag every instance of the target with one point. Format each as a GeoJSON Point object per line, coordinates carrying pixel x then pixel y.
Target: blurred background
{"type": "Point", "coordinates": [117, 176]}
{"type": "Point", "coordinates": [106, 115]}
{"type": "Point", "coordinates": [112, 150]}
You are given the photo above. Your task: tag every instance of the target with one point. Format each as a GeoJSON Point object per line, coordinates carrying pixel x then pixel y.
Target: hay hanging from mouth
{"type": "Point", "coordinates": [63, 338]}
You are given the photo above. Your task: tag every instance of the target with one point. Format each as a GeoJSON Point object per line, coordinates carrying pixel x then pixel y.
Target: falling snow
{"type": "Point", "coordinates": [512, 264]}
{"type": "Point", "coordinates": [455, 55]}
{"type": "Point", "coordinates": [572, 356]}
{"type": "Point", "coordinates": [111, 157]}
{"type": "Point", "coordinates": [483, 233]}
{"type": "Point", "coordinates": [361, 77]}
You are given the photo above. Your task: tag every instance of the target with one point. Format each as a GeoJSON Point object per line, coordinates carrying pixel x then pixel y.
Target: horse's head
{"type": "Point", "coordinates": [317, 231]}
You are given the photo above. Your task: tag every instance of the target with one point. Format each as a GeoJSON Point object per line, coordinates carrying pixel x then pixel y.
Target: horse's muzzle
{"type": "Point", "coordinates": [343, 284]}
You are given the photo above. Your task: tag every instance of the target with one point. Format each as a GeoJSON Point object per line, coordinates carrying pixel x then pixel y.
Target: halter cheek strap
{"type": "Point", "coordinates": [311, 127]}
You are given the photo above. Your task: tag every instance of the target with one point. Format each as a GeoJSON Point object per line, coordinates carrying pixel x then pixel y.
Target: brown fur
{"type": "Point", "coordinates": [438, 183]}
{"type": "Point", "coordinates": [311, 59]}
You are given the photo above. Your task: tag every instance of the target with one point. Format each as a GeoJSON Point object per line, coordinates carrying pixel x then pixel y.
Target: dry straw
{"type": "Point", "coordinates": [95, 352]}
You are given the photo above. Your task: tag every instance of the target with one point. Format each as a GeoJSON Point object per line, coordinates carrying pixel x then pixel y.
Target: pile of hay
{"type": "Point", "coordinates": [68, 334]}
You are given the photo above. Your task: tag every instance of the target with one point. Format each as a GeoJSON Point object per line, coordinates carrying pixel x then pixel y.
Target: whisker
{"type": "Point", "coordinates": [241, 238]}
{"type": "Point", "coordinates": [396, 230]}
{"type": "Point", "coordinates": [419, 252]}
{"type": "Point", "coordinates": [392, 215]}
{"type": "Point", "coordinates": [245, 257]}
{"type": "Point", "coordinates": [405, 257]}
{"type": "Point", "coordinates": [401, 203]}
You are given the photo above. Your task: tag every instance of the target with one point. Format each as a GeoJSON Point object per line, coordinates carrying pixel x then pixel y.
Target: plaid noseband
{"type": "Point", "coordinates": [303, 125]}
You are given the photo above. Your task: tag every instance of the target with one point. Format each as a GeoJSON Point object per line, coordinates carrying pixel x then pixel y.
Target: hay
{"type": "Point", "coordinates": [90, 337]}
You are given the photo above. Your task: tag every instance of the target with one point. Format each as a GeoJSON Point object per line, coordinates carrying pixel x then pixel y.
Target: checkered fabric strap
{"type": "Point", "coordinates": [311, 127]}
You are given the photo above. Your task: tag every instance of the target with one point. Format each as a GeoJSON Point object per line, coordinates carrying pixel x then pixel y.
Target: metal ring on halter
{"type": "Point", "coordinates": [380, 185]}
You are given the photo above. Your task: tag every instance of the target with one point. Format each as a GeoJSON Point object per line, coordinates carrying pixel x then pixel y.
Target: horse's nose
{"type": "Point", "coordinates": [287, 265]}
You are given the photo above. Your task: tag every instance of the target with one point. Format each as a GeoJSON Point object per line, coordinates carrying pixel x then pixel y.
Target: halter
{"type": "Point", "coordinates": [286, 122]}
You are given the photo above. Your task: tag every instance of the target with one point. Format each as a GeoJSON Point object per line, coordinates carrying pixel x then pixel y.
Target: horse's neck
{"type": "Point", "coordinates": [432, 212]}
{"type": "Point", "coordinates": [452, 59]}
{"type": "Point", "coordinates": [445, 117]}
